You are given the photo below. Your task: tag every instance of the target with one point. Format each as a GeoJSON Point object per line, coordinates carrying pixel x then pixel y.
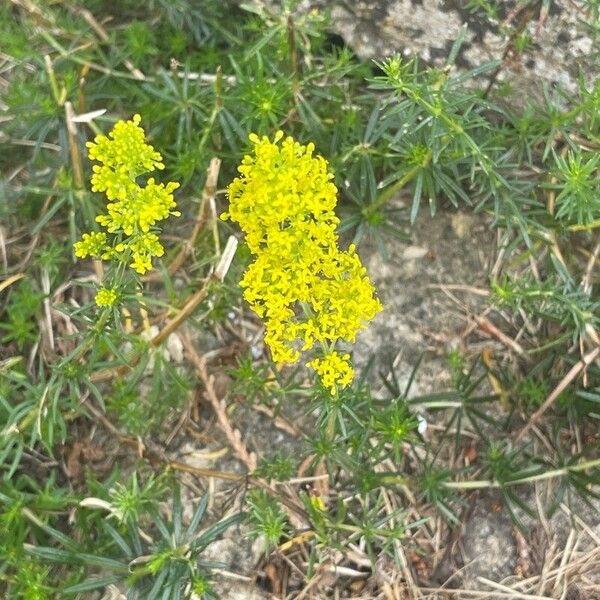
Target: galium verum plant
{"type": "Point", "coordinates": [133, 209]}
{"type": "Point", "coordinates": [308, 292]}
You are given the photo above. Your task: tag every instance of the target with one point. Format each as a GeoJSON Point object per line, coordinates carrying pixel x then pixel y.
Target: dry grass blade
{"type": "Point", "coordinates": [233, 435]}
{"type": "Point", "coordinates": [486, 326]}
{"type": "Point", "coordinates": [483, 594]}
{"type": "Point", "coordinates": [89, 18]}
{"type": "Point", "coordinates": [74, 146]}
{"type": "Point", "coordinates": [557, 391]}
{"type": "Point", "coordinates": [10, 280]}
{"type": "Point", "coordinates": [185, 312]}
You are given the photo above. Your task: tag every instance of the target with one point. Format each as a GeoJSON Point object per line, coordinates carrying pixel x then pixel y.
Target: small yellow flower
{"type": "Point", "coordinates": [106, 297]}
{"type": "Point", "coordinates": [334, 370]}
{"type": "Point", "coordinates": [140, 209]}
{"type": "Point", "coordinates": [133, 210]}
{"type": "Point", "coordinates": [307, 290]}
{"type": "Point", "coordinates": [317, 502]}
{"type": "Point", "coordinates": [125, 150]}
{"type": "Point", "coordinates": [91, 244]}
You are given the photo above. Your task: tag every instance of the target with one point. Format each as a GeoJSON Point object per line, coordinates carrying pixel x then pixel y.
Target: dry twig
{"type": "Point", "coordinates": [557, 391]}
{"type": "Point", "coordinates": [233, 435]}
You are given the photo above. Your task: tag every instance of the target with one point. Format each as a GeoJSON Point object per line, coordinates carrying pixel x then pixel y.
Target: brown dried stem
{"type": "Point", "coordinates": [557, 391]}
{"type": "Point", "coordinates": [233, 435]}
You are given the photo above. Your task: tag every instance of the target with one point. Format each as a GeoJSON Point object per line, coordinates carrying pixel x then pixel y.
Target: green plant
{"type": "Point", "coordinates": [21, 313]}
{"type": "Point", "coordinates": [97, 399]}
{"type": "Point", "coordinates": [172, 565]}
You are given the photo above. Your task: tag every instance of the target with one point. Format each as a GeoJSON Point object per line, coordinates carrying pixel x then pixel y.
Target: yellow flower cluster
{"type": "Point", "coordinates": [106, 297]}
{"type": "Point", "coordinates": [333, 369]}
{"type": "Point", "coordinates": [301, 284]}
{"type": "Point", "coordinates": [93, 244]}
{"type": "Point", "coordinates": [132, 209]}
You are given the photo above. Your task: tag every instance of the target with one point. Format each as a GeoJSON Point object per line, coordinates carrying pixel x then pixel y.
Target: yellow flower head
{"type": "Point", "coordinates": [301, 284]}
{"type": "Point", "coordinates": [125, 148]}
{"type": "Point", "coordinates": [143, 207]}
{"type": "Point", "coordinates": [106, 297]}
{"type": "Point", "coordinates": [91, 244]}
{"type": "Point", "coordinates": [334, 369]}
{"type": "Point", "coordinates": [133, 210]}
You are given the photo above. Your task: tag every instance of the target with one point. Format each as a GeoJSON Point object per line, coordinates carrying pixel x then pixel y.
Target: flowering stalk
{"type": "Point", "coordinates": [133, 209]}
{"type": "Point", "coordinates": [309, 293]}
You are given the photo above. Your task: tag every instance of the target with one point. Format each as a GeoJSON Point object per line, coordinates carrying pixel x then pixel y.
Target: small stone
{"type": "Point", "coordinates": [175, 348]}
{"type": "Point", "coordinates": [462, 225]}
{"type": "Point", "coordinates": [414, 252]}
{"type": "Point", "coordinates": [112, 592]}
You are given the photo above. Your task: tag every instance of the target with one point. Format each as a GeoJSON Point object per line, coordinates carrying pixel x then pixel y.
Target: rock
{"type": "Point", "coordinates": [241, 554]}
{"type": "Point", "coordinates": [553, 48]}
{"type": "Point", "coordinates": [462, 224]}
{"type": "Point", "coordinates": [241, 591]}
{"type": "Point", "coordinates": [489, 546]}
{"type": "Point", "coordinates": [414, 252]}
{"type": "Point", "coordinates": [112, 592]}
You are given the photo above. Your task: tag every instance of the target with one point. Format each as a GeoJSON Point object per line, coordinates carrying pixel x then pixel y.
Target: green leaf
{"type": "Point", "coordinates": [198, 514]}
{"type": "Point", "coordinates": [92, 584]}
{"type": "Point", "coordinates": [216, 530]}
{"type": "Point", "coordinates": [416, 202]}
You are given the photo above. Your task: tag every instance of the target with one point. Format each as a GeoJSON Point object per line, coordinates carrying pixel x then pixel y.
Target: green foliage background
{"type": "Point", "coordinates": [203, 76]}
